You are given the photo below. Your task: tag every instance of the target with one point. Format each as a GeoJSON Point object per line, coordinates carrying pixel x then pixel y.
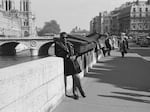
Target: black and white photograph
{"type": "Point", "coordinates": [74, 55]}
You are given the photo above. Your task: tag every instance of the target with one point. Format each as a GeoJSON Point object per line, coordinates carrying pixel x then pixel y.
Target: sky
{"type": "Point", "coordinates": [71, 13]}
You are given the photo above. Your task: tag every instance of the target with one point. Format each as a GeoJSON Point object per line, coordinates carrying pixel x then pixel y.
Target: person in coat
{"type": "Point", "coordinates": [108, 44]}
{"type": "Point", "coordinates": [122, 45]}
{"type": "Point", "coordinates": [65, 49]}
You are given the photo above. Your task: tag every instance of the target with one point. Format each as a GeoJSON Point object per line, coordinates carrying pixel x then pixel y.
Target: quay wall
{"type": "Point", "coordinates": [37, 86]}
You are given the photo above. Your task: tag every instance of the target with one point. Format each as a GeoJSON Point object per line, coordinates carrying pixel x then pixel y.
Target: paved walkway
{"type": "Point", "coordinates": [114, 84]}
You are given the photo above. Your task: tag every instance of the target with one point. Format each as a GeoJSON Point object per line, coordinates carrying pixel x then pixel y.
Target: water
{"type": "Point", "coordinates": [21, 57]}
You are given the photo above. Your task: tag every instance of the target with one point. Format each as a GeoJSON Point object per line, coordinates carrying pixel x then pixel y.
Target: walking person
{"type": "Point", "coordinates": [126, 42]}
{"type": "Point", "coordinates": [108, 44]}
{"type": "Point", "coordinates": [65, 49]}
{"type": "Point", "coordinates": [122, 45]}
{"type": "Point", "coordinates": [102, 46]}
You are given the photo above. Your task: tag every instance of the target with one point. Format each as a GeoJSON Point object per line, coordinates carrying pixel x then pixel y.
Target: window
{"type": "Point", "coordinates": [140, 26]}
{"type": "Point", "coordinates": [146, 26]}
{"type": "Point", "coordinates": [24, 23]}
{"type": "Point", "coordinates": [134, 15]}
{"type": "Point", "coordinates": [146, 9]}
{"type": "Point", "coordinates": [134, 10]}
{"type": "Point", "coordinates": [140, 9]}
{"type": "Point", "coordinates": [27, 23]}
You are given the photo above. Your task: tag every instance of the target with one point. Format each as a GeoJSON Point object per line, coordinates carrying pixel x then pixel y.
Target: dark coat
{"type": "Point", "coordinates": [123, 47]}
{"type": "Point", "coordinates": [107, 43]}
{"type": "Point", "coordinates": [61, 50]}
{"type": "Point", "coordinates": [66, 50]}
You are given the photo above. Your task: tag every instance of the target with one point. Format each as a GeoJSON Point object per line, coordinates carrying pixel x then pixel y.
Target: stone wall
{"type": "Point", "coordinates": [37, 86]}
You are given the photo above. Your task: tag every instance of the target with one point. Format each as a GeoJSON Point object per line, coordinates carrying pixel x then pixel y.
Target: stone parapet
{"type": "Point", "coordinates": [32, 86]}
{"type": "Point", "coordinates": [37, 86]}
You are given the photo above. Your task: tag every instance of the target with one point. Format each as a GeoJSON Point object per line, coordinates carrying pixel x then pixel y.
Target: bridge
{"type": "Point", "coordinates": [41, 46]}
{"type": "Point", "coordinates": [37, 45]}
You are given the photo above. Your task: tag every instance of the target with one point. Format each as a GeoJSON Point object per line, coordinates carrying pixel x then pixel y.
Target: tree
{"type": "Point", "coordinates": [50, 27]}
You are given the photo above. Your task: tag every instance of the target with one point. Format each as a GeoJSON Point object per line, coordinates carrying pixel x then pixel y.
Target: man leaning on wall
{"type": "Point", "coordinates": [65, 49]}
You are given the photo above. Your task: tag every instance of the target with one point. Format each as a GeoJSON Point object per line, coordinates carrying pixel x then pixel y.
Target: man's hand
{"type": "Point", "coordinates": [72, 57]}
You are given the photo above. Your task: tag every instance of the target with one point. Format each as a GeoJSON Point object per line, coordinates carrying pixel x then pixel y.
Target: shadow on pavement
{"type": "Point", "coordinates": [126, 98]}
{"type": "Point", "coordinates": [141, 51]}
{"type": "Point", "coordinates": [131, 94]}
{"type": "Point", "coordinates": [70, 96]}
{"type": "Point", "coordinates": [130, 73]}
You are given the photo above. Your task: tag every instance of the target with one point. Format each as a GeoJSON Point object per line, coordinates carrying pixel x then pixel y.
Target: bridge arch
{"type": "Point", "coordinates": [8, 48]}
{"type": "Point", "coordinates": [46, 49]}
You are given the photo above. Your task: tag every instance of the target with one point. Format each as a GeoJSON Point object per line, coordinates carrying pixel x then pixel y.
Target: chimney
{"type": "Point", "coordinates": [148, 2]}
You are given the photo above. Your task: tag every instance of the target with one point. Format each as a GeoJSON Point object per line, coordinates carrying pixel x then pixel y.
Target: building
{"type": "Point", "coordinates": [133, 18]}
{"type": "Point", "coordinates": [106, 22]}
{"type": "Point", "coordinates": [124, 17]}
{"type": "Point", "coordinates": [79, 31]}
{"type": "Point", "coordinates": [140, 18]}
{"type": "Point", "coordinates": [95, 24]}
{"type": "Point", "coordinates": [16, 22]}
{"type": "Point", "coordinates": [114, 26]}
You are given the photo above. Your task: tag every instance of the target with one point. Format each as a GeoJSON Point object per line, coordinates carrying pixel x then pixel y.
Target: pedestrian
{"type": "Point", "coordinates": [126, 42]}
{"type": "Point", "coordinates": [102, 46]}
{"type": "Point", "coordinates": [108, 44]}
{"type": "Point", "coordinates": [122, 45]}
{"type": "Point", "coordinates": [97, 49]}
{"type": "Point", "coordinates": [65, 49]}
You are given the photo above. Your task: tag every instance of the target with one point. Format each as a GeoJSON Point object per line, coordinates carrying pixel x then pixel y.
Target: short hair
{"type": "Point", "coordinates": [62, 33]}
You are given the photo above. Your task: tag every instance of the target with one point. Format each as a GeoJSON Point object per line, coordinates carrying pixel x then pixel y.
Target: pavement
{"type": "Point", "coordinates": [114, 84]}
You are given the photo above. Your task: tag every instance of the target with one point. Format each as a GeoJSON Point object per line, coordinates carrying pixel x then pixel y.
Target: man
{"type": "Point", "coordinates": [122, 45]}
{"type": "Point", "coordinates": [65, 49]}
{"type": "Point", "coordinates": [107, 44]}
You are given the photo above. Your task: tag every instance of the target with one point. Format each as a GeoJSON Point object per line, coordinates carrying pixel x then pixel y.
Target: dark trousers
{"type": "Point", "coordinates": [103, 50]}
{"type": "Point", "coordinates": [77, 85]}
{"type": "Point", "coordinates": [108, 51]}
{"type": "Point", "coordinates": [122, 54]}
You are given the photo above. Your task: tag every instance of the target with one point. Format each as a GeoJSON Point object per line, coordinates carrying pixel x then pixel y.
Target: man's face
{"type": "Point", "coordinates": [65, 35]}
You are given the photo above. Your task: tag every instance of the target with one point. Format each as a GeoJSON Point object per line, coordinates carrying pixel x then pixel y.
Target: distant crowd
{"type": "Point", "coordinates": [108, 43]}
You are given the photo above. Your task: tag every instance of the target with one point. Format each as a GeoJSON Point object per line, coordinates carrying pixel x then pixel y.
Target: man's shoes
{"type": "Point", "coordinates": [76, 97]}
{"type": "Point", "coordinates": [83, 95]}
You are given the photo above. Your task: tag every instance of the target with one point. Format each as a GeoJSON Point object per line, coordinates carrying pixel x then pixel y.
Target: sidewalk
{"type": "Point", "coordinates": [110, 89]}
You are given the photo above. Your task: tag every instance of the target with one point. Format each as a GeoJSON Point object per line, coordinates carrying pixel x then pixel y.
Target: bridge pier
{"type": "Point", "coordinates": [34, 52]}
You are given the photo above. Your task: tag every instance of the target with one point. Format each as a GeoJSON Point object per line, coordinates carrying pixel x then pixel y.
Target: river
{"type": "Point", "coordinates": [20, 57]}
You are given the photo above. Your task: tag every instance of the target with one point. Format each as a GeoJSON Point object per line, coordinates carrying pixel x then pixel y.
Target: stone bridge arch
{"type": "Point", "coordinates": [26, 43]}
{"type": "Point", "coordinates": [8, 48]}
{"type": "Point", "coordinates": [46, 49]}
{"type": "Point", "coordinates": [39, 47]}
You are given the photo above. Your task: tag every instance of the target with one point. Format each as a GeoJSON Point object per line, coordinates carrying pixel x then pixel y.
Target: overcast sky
{"type": "Point", "coordinates": [71, 13]}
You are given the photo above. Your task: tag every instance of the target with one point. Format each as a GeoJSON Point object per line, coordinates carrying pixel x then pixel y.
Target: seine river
{"type": "Point", "coordinates": [21, 57]}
